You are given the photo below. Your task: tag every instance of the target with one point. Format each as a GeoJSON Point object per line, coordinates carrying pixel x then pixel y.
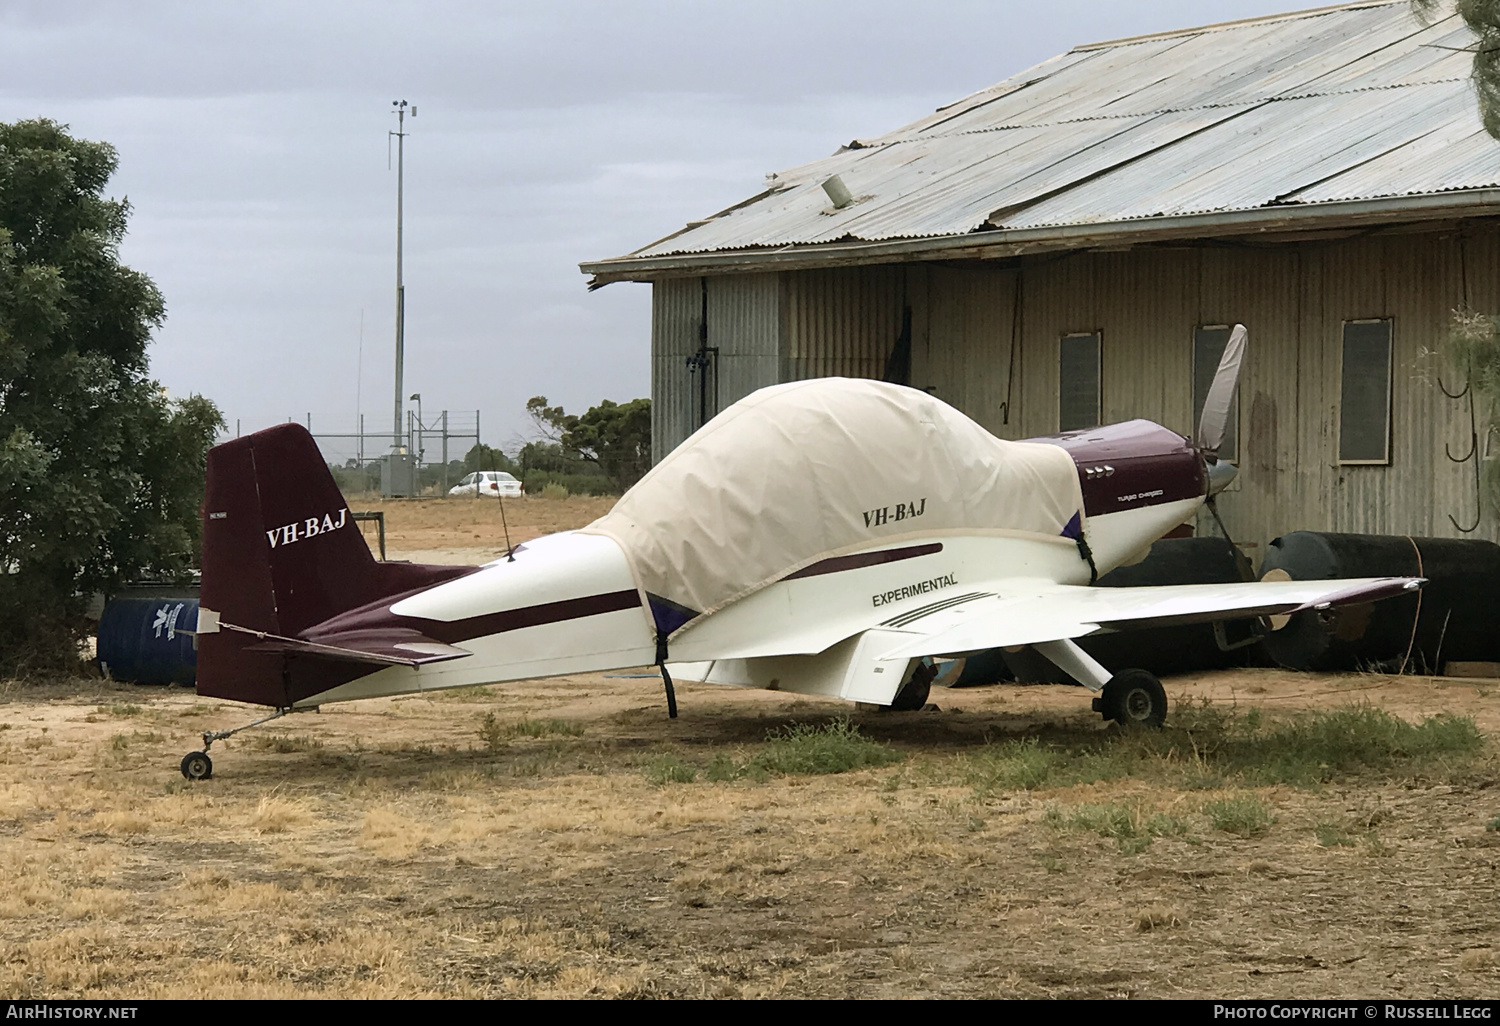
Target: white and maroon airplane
{"type": "Point", "coordinates": [829, 537]}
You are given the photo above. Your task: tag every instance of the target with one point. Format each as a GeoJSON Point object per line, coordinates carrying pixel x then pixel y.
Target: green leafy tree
{"type": "Point", "coordinates": [101, 475]}
{"type": "Point", "coordinates": [487, 457]}
{"type": "Point", "coordinates": [615, 437]}
{"type": "Point", "coordinates": [1483, 18]}
{"type": "Point", "coordinates": [1472, 348]}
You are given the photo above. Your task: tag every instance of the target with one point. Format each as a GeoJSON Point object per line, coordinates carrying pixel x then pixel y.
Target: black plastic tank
{"type": "Point", "coordinates": [147, 639]}
{"type": "Point", "coordinates": [1161, 650]}
{"type": "Point", "coordinates": [1453, 617]}
{"type": "Point", "coordinates": [987, 667]}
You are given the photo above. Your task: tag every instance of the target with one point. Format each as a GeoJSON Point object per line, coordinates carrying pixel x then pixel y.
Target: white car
{"type": "Point", "coordinates": [487, 482]}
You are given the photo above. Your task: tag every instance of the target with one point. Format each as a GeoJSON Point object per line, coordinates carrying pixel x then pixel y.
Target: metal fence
{"type": "Point", "coordinates": [436, 438]}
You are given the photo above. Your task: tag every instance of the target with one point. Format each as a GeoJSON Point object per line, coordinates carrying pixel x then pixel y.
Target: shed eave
{"type": "Point", "coordinates": [1002, 243]}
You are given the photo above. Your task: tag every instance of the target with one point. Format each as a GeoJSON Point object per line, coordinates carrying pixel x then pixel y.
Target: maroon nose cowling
{"type": "Point", "coordinates": [1130, 465]}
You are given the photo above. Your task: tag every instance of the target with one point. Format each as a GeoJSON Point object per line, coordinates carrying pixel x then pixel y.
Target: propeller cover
{"type": "Point", "coordinates": [1215, 417]}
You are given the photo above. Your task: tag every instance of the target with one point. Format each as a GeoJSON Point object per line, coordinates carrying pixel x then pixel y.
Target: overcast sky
{"type": "Point", "coordinates": [253, 150]}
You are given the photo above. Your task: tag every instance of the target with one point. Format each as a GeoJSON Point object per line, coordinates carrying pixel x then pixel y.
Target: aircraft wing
{"type": "Point", "coordinates": [1042, 612]}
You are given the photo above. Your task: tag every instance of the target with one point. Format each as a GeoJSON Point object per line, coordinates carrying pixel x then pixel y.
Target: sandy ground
{"type": "Point", "coordinates": [522, 840]}
{"type": "Point", "coordinates": [473, 531]}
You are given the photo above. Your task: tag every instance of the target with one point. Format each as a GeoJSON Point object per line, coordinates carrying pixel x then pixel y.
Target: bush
{"type": "Point", "coordinates": [535, 482]}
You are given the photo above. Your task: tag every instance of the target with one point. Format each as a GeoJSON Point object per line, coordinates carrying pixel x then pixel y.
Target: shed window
{"type": "Point", "coordinates": [1208, 349]}
{"type": "Point", "coordinates": [1078, 400]}
{"type": "Point", "coordinates": [1365, 392]}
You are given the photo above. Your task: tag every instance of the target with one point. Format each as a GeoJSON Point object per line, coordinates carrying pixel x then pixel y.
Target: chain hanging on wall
{"type": "Point", "coordinates": [1467, 392]}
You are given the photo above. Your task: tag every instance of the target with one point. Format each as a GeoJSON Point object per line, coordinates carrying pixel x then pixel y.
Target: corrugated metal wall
{"type": "Point", "coordinates": [964, 326]}
{"type": "Point", "coordinates": [744, 325]}
{"type": "Point", "coordinates": [1294, 297]}
{"type": "Point", "coordinates": [676, 309]}
{"type": "Point", "coordinates": [842, 322]}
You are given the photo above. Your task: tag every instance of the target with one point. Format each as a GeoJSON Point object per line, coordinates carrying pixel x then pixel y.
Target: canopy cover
{"type": "Point", "coordinates": [797, 473]}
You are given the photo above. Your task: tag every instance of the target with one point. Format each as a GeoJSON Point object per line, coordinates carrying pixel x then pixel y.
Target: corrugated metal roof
{"type": "Point", "coordinates": [1352, 103]}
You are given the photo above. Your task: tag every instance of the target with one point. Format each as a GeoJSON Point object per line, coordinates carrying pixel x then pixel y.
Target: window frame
{"type": "Point", "coordinates": [1390, 387]}
{"type": "Point", "coordinates": [1097, 335]}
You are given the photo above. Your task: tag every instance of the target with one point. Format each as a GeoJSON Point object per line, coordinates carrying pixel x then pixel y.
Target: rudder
{"type": "Point", "coordinates": [281, 553]}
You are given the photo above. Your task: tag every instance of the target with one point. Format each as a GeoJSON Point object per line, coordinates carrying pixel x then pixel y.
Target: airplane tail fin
{"type": "Point", "coordinates": [281, 553]}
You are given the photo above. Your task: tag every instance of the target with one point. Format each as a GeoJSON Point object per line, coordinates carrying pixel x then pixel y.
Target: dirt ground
{"type": "Point", "coordinates": [473, 531]}
{"type": "Point", "coordinates": [525, 840]}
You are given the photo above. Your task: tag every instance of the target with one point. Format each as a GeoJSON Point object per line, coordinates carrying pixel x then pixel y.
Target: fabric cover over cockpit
{"type": "Point", "coordinates": [797, 473]}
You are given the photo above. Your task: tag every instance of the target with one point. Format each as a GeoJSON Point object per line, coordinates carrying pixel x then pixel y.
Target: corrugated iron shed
{"type": "Point", "coordinates": [1358, 111]}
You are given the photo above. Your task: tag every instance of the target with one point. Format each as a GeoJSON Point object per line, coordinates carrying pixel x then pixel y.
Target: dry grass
{"type": "Point", "coordinates": [276, 815]}
{"type": "Point", "coordinates": [472, 526]}
{"type": "Point", "coordinates": [563, 839]}
{"type": "Point", "coordinates": [1158, 917]}
{"type": "Point", "coordinates": [1478, 960]}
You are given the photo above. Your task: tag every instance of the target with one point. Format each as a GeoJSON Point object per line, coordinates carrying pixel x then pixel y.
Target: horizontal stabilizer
{"type": "Point", "coordinates": [392, 647]}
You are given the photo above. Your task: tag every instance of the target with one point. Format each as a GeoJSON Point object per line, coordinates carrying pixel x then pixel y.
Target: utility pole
{"type": "Point", "coordinates": [400, 134]}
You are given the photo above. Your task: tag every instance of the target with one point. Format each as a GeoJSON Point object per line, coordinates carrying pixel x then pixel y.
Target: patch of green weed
{"type": "Point", "coordinates": [724, 768]}
{"type": "Point", "coordinates": [1242, 815]}
{"type": "Point", "coordinates": [125, 709]}
{"type": "Point", "coordinates": [1206, 747]}
{"type": "Point", "coordinates": [1018, 764]}
{"type": "Point", "coordinates": [472, 693]}
{"type": "Point", "coordinates": [495, 733]}
{"type": "Point", "coordinates": [285, 744]}
{"type": "Point", "coordinates": [1319, 745]}
{"type": "Point", "coordinates": [1051, 863]}
{"type": "Point", "coordinates": [120, 742]}
{"type": "Point", "coordinates": [836, 747]}
{"type": "Point", "coordinates": [1331, 835]}
{"type": "Point", "coordinates": [669, 769]}
{"type": "Point", "coordinates": [1130, 826]}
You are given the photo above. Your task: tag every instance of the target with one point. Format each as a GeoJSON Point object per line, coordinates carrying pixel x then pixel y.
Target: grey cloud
{"type": "Point", "coordinates": [253, 143]}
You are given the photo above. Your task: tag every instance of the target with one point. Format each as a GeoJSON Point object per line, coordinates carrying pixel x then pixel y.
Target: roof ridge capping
{"type": "Point", "coordinates": [1216, 26]}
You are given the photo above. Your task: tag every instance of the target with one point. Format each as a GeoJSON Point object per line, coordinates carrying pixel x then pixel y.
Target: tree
{"type": "Point", "coordinates": [485, 457]}
{"type": "Point", "coordinates": [1472, 347]}
{"type": "Point", "coordinates": [1483, 18]}
{"type": "Point", "coordinates": [101, 475]}
{"type": "Point", "coordinates": [614, 437]}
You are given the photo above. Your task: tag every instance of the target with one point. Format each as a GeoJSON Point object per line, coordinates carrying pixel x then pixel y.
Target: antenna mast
{"type": "Point", "coordinates": [399, 108]}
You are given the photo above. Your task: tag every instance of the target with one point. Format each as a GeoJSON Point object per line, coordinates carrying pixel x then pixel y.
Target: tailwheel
{"type": "Point", "coordinates": [197, 766]}
{"type": "Point", "coordinates": [1133, 698]}
{"type": "Point", "coordinates": [913, 694]}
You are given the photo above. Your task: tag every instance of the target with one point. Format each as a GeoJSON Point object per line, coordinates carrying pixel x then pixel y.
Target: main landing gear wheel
{"type": "Point", "coordinates": [1133, 698]}
{"type": "Point", "coordinates": [197, 766]}
{"type": "Point", "coordinates": [913, 694]}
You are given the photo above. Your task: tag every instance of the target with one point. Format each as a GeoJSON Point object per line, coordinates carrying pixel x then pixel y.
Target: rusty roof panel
{"type": "Point", "coordinates": [1350, 103]}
